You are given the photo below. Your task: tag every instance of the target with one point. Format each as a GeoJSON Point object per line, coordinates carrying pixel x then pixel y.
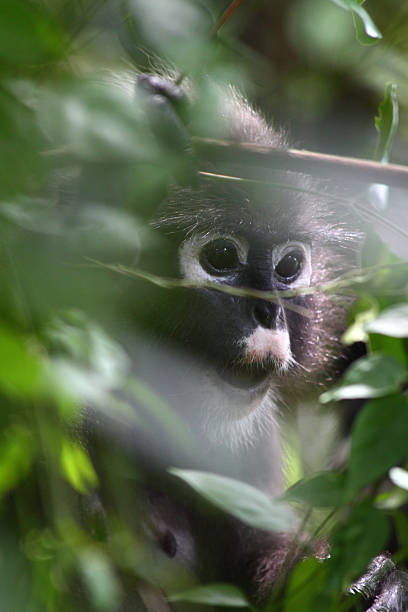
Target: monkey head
{"type": "Point", "coordinates": [255, 353]}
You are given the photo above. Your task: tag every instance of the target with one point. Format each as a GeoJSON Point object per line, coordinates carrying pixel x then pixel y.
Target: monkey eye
{"type": "Point", "coordinates": [220, 257]}
{"type": "Point", "coordinates": [290, 265]}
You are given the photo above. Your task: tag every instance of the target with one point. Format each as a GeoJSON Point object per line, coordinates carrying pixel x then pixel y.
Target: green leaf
{"type": "Point", "coordinates": [217, 594]}
{"type": "Point", "coordinates": [366, 30]}
{"type": "Point", "coordinates": [243, 501]}
{"type": "Point", "coordinates": [28, 36]}
{"type": "Point", "coordinates": [16, 584]}
{"type": "Point", "coordinates": [77, 467]}
{"type": "Point", "coordinates": [305, 586]}
{"type": "Point", "coordinates": [21, 168]}
{"type": "Point", "coordinates": [372, 376]}
{"type": "Point", "coordinates": [16, 456]}
{"type": "Point", "coordinates": [90, 346]}
{"type": "Point", "coordinates": [355, 542]}
{"type": "Point", "coordinates": [379, 439]}
{"type": "Point", "coordinates": [399, 477]}
{"type": "Point", "coordinates": [322, 490]}
{"type": "Point", "coordinates": [20, 372]}
{"type": "Point", "coordinates": [96, 123]}
{"type": "Point", "coordinates": [391, 322]}
{"type": "Point", "coordinates": [387, 122]}
{"type": "Point", "coordinates": [388, 346]}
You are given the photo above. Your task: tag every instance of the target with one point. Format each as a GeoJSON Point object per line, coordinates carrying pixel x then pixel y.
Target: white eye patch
{"type": "Point", "coordinates": [192, 249]}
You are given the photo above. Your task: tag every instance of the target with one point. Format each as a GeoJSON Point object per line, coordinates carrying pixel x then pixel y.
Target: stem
{"type": "Point", "coordinates": [308, 162]}
{"type": "Point", "coordinates": [225, 16]}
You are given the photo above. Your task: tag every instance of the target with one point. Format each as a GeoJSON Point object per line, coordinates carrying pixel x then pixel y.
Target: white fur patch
{"type": "Point", "coordinates": [232, 422]}
{"type": "Point", "coordinates": [265, 344]}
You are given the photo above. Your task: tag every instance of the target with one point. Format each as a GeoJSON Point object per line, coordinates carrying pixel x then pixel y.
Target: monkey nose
{"type": "Point", "coordinates": [267, 314]}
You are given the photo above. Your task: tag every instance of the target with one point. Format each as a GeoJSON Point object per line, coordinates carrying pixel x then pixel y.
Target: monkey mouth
{"type": "Point", "coordinates": [251, 377]}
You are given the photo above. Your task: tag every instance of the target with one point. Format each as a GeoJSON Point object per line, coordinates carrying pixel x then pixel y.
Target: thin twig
{"type": "Point", "coordinates": [225, 16]}
{"type": "Point", "coordinates": [338, 285]}
{"type": "Point", "coordinates": [251, 156]}
{"type": "Point", "coordinates": [308, 162]}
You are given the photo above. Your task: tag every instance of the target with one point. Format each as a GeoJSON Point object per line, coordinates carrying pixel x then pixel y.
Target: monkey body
{"type": "Point", "coordinates": [230, 363]}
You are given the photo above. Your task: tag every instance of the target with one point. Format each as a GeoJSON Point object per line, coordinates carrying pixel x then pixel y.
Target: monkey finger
{"type": "Point", "coordinates": [385, 584]}
{"type": "Point", "coordinates": [394, 594]}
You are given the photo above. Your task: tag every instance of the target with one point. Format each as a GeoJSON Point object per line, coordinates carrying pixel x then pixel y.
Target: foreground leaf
{"type": "Point", "coordinates": [379, 439]}
{"type": "Point", "coordinates": [28, 36]}
{"type": "Point", "coordinates": [355, 543]}
{"type": "Point", "coordinates": [322, 490]}
{"type": "Point", "coordinates": [391, 322]}
{"type": "Point", "coordinates": [387, 122]}
{"type": "Point", "coordinates": [372, 376]}
{"type": "Point", "coordinates": [367, 31]}
{"type": "Point", "coordinates": [243, 501]}
{"type": "Point", "coordinates": [213, 594]}
{"type": "Point", "coordinates": [77, 467]}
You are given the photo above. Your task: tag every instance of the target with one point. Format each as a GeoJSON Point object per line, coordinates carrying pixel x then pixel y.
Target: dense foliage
{"type": "Point", "coordinates": [67, 126]}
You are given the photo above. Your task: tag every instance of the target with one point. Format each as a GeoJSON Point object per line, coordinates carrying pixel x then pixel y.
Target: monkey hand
{"type": "Point", "coordinates": [166, 108]}
{"type": "Point", "coordinates": [385, 585]}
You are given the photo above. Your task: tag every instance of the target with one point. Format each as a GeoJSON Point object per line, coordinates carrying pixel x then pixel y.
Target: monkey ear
{"type": "Point", "coordinates": [166, 108]}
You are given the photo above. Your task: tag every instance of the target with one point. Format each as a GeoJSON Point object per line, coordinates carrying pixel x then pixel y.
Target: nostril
{"type": "Point", "coordinates": [263, 315]}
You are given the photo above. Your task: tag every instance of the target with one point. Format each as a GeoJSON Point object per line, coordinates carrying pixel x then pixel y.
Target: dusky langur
{"type": "Point", "coordinates": [227, 363]}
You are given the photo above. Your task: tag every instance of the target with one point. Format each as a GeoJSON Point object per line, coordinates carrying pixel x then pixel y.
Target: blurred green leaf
{"type": "Point", "coordinates": [379, 439]}
{"type": "Point", "coordinates": [322, 490]}
{"type": "Point", "coordinates": [28, 35]}
{"type": "Point", "coordinates": [72, 334]}
{"type": "Point", "coordinates": [390, 347]}
{"type": "Point", "coordinates": [21, 371]}
{"type": "Point", "coordinates": [366, 30]}
{"type": "Point", "coordinates": [355, 543]}
{"type": "Point", "coordinates": [371, 376]}
{"type": "Point", "coordinates": [16, 455]}
{"type": "Point", "coordinates": [217, 594]}
{"type": "Point", "coordinates": [34, 214]}
{"type": "Point", "coordinates": [387, 122]}
{"type": "Point", "coordinates": [15, 574]}
{"type": "Point", "coordinates": [77, 467]}
{"type": "Point", "coordinates": [250, 505]}
{"type": "Point", "coordinates": [96, 122]}
{"type": "Point", "coordinates": [21, 167]}
{"type": "Point", "coordinates": [392, 321]}
{"type": "Point", "coordinates": [110, 233]}
{"type": "Point", "coordinates": [306, 583]}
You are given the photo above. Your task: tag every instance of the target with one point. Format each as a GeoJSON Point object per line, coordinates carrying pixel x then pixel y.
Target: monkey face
{"type": "Point", "coordinates": [253, 334]}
